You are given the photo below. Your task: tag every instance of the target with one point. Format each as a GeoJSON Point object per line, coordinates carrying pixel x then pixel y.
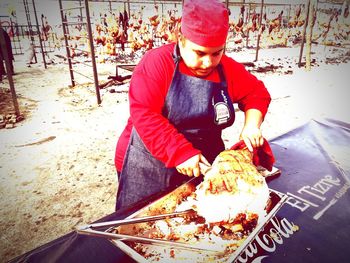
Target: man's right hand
{"type": "Point", "coordinates": [190, 167]}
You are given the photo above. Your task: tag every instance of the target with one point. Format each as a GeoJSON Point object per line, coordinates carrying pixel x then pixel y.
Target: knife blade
{"type": "Point", "coordinates": [204, 168]}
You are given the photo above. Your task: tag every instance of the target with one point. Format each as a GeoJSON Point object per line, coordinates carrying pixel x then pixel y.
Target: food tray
{"type": "Point", "coordinates": [167, 204]}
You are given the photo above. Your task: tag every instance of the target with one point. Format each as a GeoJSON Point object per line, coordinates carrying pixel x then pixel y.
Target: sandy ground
{"type": "Point", "coordinates": [56, 166]}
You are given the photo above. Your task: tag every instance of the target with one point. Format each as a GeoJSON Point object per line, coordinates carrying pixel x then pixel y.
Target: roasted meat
{"type": "Point", "coordinates": [231, 188]}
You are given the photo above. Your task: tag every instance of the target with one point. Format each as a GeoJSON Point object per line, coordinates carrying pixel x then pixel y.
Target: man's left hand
{"type": "Point", "coordinates": [252, 137]}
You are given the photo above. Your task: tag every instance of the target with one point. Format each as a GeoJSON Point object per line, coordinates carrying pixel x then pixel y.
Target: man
{"type": "Point", "coordinates": [7, 44]}
{"type": "Point", "coordinates": [181, 97]}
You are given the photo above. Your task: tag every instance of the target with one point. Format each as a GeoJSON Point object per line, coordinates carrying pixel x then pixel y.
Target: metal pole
{"type": "Point", "coordinates": [15, 36]}
{"type": "Point", "coordinates": [26, 8]}
{"type": "Point", "coordinates": [162, 12]}
{"type": "Point", "coordinates": [88, 23]}
{"type": "Point", "coordinates": [247, 21]}
{"type": "Point", "coordinates": [8, 70]}
{"type": "Point", "coordinates": [243, 3]}
{"type": "Point", "coordinates": [312, 16]}
{"type": "Point", "coordinates": [289, 10]}
{"type": "Point", "coordinates": [38, 30]}
{"type": "Point", "coordinates": [129, 14]}
{"type": "Point", "coordinates": [18, 39]}
{"type": "Point", "coordinates": [226, 1]}
{"type": "Point", "coordinates": [260, 32]}
{"type": "Point", "coordinates": [304, 33]}
{"type": "Point", "coordinates": [81, 12]}
{"type": "Point", "coordinates": [64, 21]}
{"type": "Point", "coordinates": [110, 7]}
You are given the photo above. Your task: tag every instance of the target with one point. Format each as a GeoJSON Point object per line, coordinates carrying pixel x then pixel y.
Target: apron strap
{"type": "Point", "coordinates": [176, 54]}
{"type": "Point", "coordinates": [222, 76]}
{"type": "Point", "coordinates": [176, 58]}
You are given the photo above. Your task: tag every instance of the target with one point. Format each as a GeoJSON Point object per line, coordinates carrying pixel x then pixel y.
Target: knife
{"type": "Point", "coordinates": [204, 168]}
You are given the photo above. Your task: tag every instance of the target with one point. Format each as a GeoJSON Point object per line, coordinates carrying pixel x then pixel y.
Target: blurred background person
{"type": "Point", "coordinates": [7, 43]}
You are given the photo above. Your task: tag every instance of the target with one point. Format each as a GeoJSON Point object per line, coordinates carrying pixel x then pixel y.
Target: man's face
{"type": "Point", "coordinates": [200, 60]}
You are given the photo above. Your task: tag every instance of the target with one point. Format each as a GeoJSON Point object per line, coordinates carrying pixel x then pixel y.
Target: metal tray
{"type": "Point", "coordinates": [167, 204]}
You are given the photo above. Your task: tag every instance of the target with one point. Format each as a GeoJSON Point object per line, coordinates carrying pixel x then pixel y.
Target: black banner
{"type": "Point", "coordinates": [312, 226]}
{"type": "Point", "coordinates": [314, 223]}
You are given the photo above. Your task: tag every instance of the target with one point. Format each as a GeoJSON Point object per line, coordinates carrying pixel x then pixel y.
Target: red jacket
{"type": "Point", "coordinates": [149, 85]}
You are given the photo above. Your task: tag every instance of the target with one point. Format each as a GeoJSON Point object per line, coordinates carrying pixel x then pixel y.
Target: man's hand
{"type": "Point", "coordinates": [191, 167]}
{"type": "Point", "coordinates": [251, 132]}
{"type": "Point", "coordinates": [252, 137]}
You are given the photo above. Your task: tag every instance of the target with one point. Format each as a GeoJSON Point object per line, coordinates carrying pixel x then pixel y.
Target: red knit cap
{"type": "Point", "coordinates": [205, 23]}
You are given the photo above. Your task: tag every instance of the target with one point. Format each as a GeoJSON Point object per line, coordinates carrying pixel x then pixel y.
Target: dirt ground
{"type": "Point", "coordinates": [56, 165]}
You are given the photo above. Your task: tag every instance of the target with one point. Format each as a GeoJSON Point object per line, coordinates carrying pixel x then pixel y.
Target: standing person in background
{"type": "Point", "coordinates": [8, 45]}
{"type": "Point", "coordinates": [181, 98]}
{"type": "Point", "coordinates": [29, 53]}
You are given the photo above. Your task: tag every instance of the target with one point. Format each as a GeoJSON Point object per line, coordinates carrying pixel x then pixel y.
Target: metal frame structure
{"type": "Point", "coordinates": [30, 27]}
{"type": "Point", "coordinates": [87, 23]}
{"type": "Point", "coordinates": [127, 6]}
{"type": "Point", "coordinates": [26, 30]}
{"type": "Point", "coordinates": [14, 29]}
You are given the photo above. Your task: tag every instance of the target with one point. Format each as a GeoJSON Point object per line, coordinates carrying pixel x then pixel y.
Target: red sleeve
{"type": "Point", "coordinates": [244, 88]}
{"type": "Point", "coordinates": [148, 88]}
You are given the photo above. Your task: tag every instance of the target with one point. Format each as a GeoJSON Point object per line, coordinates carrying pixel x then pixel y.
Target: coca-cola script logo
{"type": "Point", "coordinates": [268, 240]}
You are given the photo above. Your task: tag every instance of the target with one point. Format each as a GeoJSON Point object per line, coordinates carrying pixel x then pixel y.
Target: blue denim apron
{"type": "Point", "coordinates": [200, 110]}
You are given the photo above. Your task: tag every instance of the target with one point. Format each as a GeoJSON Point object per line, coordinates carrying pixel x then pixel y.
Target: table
{"type": "Point", "coordinates": [312, 226]}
